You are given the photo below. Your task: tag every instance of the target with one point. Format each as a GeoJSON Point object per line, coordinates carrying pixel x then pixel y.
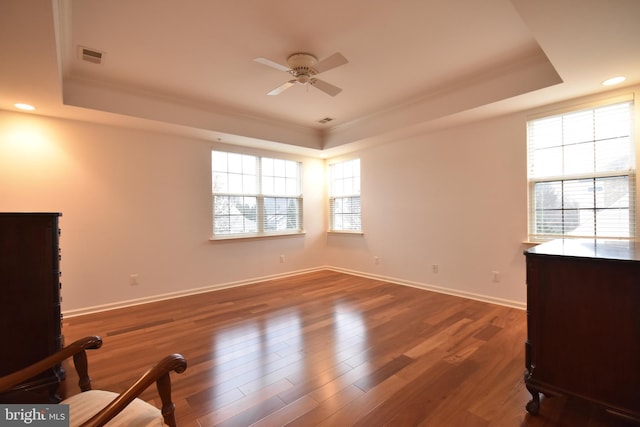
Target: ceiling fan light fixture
{"type": "Point", "coordinates": [303, 78]}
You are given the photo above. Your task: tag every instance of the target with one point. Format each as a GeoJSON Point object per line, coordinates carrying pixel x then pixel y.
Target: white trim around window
{"type": "Point", "coordinates": [581, 173]}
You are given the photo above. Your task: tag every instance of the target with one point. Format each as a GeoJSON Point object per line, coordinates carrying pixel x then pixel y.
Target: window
{"type": "Point", "coordinates": [255, 196]}
{"type": "Point", "coordinates": [344, 196]}
{"type": "Point", "coordinates": [581, 174]}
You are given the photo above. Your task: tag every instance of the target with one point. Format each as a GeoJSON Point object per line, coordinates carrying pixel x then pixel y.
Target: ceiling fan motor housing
{"type": "Point", "coordinates": [301, 65]}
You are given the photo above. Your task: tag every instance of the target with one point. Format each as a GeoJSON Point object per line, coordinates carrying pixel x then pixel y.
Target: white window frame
{"type": "Point", "coordinates": [345, 206]}
{"type": "Point", "coordinates": [578, 202]}
{"type": "Point", "coordinates": [270, 185]}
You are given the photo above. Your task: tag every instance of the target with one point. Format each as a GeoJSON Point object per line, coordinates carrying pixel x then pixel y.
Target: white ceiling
{"type": "Point", "coordinates": [188, 66]}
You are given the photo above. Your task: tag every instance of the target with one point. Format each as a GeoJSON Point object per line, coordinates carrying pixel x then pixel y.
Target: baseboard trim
{"type": "Point", "coordinates": [138, 301]}
{"type": "Point", "coordinates": [162, 297]}
{"type": "Point", "coordinates": [433, 288]}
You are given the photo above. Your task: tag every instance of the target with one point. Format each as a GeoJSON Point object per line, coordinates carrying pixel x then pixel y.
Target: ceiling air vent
{"type": "Point", "coordinates": [90, 55]}
{"type": "Point", "coordinates": [325, 120]}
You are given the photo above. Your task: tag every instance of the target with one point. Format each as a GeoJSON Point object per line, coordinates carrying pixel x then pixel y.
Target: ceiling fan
{"type": "Point", "coordinates": [304, 67]}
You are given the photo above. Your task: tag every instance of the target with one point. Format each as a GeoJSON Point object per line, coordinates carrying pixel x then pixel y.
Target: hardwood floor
{"type": "Point", "coordinates": [328, 349]}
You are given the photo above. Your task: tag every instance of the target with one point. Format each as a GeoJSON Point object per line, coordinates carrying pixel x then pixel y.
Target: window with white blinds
{"type": "Point", "coordinates": [255, 196]}
{"type": "Point", "coordinates": [581, 173]}
{"type": "Point", "coordinates": [344, 196]}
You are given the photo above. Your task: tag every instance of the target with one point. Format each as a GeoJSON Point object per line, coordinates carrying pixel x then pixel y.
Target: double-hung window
{"type": "Point", "coordinates": [344, 196]}
{"type": "Point", "coordinates": [255, 196]}
{"type": "Point", "coordinates": [581, 174]}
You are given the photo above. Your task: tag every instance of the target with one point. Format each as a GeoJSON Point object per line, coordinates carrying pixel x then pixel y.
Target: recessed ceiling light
{"type": "Point", "coordinates": [614, 81]}
{"type": "Point", "coordinates": [26, 107]}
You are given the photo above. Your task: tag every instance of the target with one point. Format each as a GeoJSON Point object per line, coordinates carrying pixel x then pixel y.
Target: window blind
{"type": "Point", "coordinates": [344, 196]}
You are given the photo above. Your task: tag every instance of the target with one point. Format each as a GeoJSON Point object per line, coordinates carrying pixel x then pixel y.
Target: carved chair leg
{"type": "Point", "coordinates": [168, 408]}
{"type": "Point", "coordinates": [81, 365]}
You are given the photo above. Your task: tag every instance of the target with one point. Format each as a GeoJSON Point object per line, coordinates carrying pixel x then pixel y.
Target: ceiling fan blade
{"type": "Point", "coordinates": [282, 87]}
{"type": "Point", "coordinates": [270, 63]}
{"type": "Point", "coordinates": [332, 61]}
{"type": "Point", "coordinates": [327, 88]}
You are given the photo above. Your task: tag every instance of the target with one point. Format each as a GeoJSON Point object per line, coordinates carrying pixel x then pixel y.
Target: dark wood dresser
{"type": "Point", "coordinates": [30, 306]}
{"type": "Point", "coordinates": [583, 313]}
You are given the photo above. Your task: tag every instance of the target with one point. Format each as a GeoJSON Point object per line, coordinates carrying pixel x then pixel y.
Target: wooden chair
{"type": "Point", "coordinates": [98, 407]}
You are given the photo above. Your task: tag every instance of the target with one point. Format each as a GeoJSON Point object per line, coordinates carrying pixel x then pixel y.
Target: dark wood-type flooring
{"type": "Point", "coordinates": [328, 349]}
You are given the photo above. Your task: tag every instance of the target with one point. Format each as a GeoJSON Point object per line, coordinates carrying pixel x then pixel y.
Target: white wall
{"type": "Point", "coordinates": [138, 203]}
{"type": "Point", "coordinates": [456, 198]}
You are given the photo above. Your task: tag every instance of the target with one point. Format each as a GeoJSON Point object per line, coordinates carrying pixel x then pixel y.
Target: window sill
{"type": "Point", "coordinates": [532, 243]}
{"type": "Point", "coordinates": [236, 237]}
{"type": "Point", "coordinates": [345, 232]}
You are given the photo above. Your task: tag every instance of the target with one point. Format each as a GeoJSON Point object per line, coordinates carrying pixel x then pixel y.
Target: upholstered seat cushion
{"type": "Point", "coordinates": [138, 413]}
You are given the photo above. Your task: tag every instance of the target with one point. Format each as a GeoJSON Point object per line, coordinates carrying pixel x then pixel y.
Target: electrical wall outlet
{"type": "Point", "coordinates": [134, 279]}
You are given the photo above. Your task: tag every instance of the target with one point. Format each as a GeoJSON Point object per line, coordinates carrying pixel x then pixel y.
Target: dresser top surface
{"type": "Point", "coordinates": [623, 250]}
{"type": "Point", "coordinates": [30, 214]}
